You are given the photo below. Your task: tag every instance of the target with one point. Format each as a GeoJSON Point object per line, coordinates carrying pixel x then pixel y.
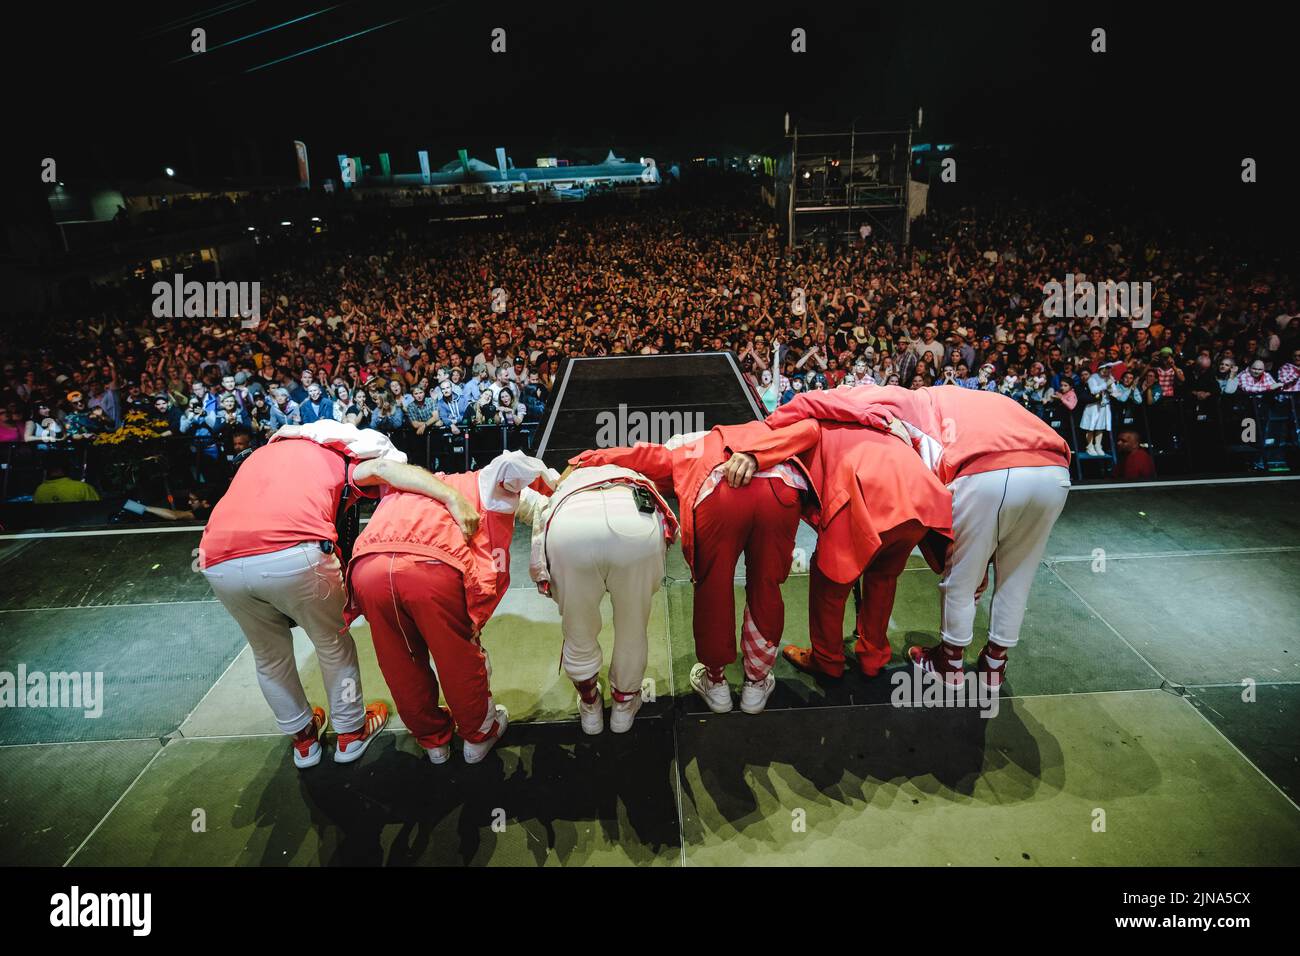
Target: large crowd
{"type": "Point", "coordinates": [405, 331]}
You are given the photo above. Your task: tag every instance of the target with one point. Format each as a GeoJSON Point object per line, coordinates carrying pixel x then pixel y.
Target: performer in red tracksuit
{"type": "Point", "coordinates": [1009, 477]}
{"type": "Point", "coordinates": [877, 503]}
{"type": "Point", "coordinates": [427, 583]}
{"type": "Point", "coordinates": [725, 514]}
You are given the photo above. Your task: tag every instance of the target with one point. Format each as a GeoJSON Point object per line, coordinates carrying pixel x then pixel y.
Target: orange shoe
{"type": "Point", "coordinates": [802, 658]}
{"type": "Point", "coordinates": [352, 745]}
{"type": "Point", "coordinates": [306, 742]}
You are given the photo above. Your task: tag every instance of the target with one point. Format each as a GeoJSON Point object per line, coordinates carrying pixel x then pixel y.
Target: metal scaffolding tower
{"type": "Point", "coordinates": [833, 182]}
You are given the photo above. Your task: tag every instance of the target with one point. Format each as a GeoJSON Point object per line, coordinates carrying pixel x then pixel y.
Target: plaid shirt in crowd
{"type": "Point", "coordinates": [1289, 376]}
{"type": "Point", "coordinates": [1168, 378]}
{"type": "Point", "coordinates": [1249, 383]}
{"type": "Point", "coordinates": [420, 411]}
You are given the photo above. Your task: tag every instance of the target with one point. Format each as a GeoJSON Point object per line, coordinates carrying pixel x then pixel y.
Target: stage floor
{"type": "Point", "coordinates": [1125, 696]}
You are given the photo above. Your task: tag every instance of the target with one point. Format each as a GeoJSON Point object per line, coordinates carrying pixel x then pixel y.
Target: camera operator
{"type": "Point", "coordinates": [201, 427]}
{"type": "Point", "coordinates": [229, 419]}
{"type": "Point", "coordinates": [197, 509]}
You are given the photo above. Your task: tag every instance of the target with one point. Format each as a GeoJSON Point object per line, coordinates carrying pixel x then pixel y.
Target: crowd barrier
{"type": "Point", "coordinates": [1221, 434]}
{"type": "Point", "coordinates": [164, 468]}
{"type": "Point", "coordinates": [440, 450]}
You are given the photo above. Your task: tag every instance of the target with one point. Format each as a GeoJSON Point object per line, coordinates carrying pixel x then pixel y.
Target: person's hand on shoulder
{"type": "Point", "coordinates": [465, 515]}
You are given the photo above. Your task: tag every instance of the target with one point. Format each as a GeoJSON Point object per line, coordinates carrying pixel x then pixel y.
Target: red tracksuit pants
{"type": "Point", "coordinates": [826, 600]}
{"type": "Point", "coordinates": [758, 521]}
{"type": "Point", "coordinates": [416, 610]}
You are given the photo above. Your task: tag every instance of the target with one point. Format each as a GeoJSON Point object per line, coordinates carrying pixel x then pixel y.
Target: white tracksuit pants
{"type": "Point", "coordinates": [596, 542]}
{"type": "Point", "coordinates": [267, 594]}
{"type": "Point", "coordinates": [1006, 516]}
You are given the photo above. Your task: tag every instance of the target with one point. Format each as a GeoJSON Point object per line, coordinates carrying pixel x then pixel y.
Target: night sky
{"type": "Point", "coordinates": [1182, 95]}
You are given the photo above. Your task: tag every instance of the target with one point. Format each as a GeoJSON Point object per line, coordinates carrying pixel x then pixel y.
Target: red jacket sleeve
{"type": "Point", "coordinates": [653, 461]}
{"type": "Point", "coordinates": [771, 446]}
{"type": "Point", "coordinates": [832, 405]}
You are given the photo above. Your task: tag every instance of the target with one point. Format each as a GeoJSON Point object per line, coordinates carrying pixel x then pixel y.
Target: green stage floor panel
{"type": "Point", "coordinates": [154, 664]}
{"type": "Point", "coordinates": [1203, 619]}
{"type": "Point", "coordinates": [1261, 722]}
{"type": "Point", "coordinates": [1179, 518]}
{"type": "Point", "coordinates": [884, 786]}
{"type": "Point", "coordinates": [95, 570]}
{"type": "Point", "coordinates": [55, 794]}
{"type": "Point", "coordinates": [545, 796]}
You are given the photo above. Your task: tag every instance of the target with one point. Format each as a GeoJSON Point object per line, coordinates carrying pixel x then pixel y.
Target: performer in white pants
{"type": "Point", "coordinates": [269, 593]}
{"type": "Point", "coordinates": [1005, 516]}
{"type": "Point", "coordinates": [604, 529]}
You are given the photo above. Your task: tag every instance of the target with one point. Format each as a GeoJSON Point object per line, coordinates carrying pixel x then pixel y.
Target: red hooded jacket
{"type": "Point", "coordinates": [868, 484]}
{"type": "Point", "coordinates": [409, 523]}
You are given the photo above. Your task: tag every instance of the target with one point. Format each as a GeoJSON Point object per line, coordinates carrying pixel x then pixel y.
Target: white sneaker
{"type": "Point", "coordinates": [307, 753]}
{"type": "Point", "coordinates": [622, 713]}
{"type": "Point", "coordinates": [440, 754]}
{"type": "Point", "coordinates": [592, 716]}
{"type": "Point", "coordinates": [476, 752]}
{"type": "Point", "coordinates": [753, 696]}
{"type": "Point", "coordinates": [717, 696]}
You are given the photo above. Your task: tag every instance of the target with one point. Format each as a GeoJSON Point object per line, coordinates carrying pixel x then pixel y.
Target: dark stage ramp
{"type": "Point", "coordinates": [620, 400]}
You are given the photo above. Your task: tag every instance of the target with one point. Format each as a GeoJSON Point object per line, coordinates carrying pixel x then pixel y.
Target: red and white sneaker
{"type": "Point", "coordinates": [943, 659]}
{"type": "Point", "coordinates": [306, 742]}
{"type": "Point", "coordinates": [992, 670]}
{"type": "Point", "coordinates": [352, 745]}
{"type": "Point", "coordinates": [474, 753]}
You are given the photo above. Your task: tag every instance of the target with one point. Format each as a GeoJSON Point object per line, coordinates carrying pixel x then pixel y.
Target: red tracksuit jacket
{"type": "Point", "coordinates": [957, 431]}
{"type": "Point", "coordinates": [408, 523]}
{"type": "Point", "coordinates": [869, 483]}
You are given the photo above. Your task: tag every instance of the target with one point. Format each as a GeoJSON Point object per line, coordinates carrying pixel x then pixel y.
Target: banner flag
{"type": "Point", "coordinates": [463, 155]}
{"type": "Point", "coordinates": [501, 160]}
{"type": "Point", "coordinates": [304, 173]}
{"type": "Point", "coordinates": [424, 166]}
